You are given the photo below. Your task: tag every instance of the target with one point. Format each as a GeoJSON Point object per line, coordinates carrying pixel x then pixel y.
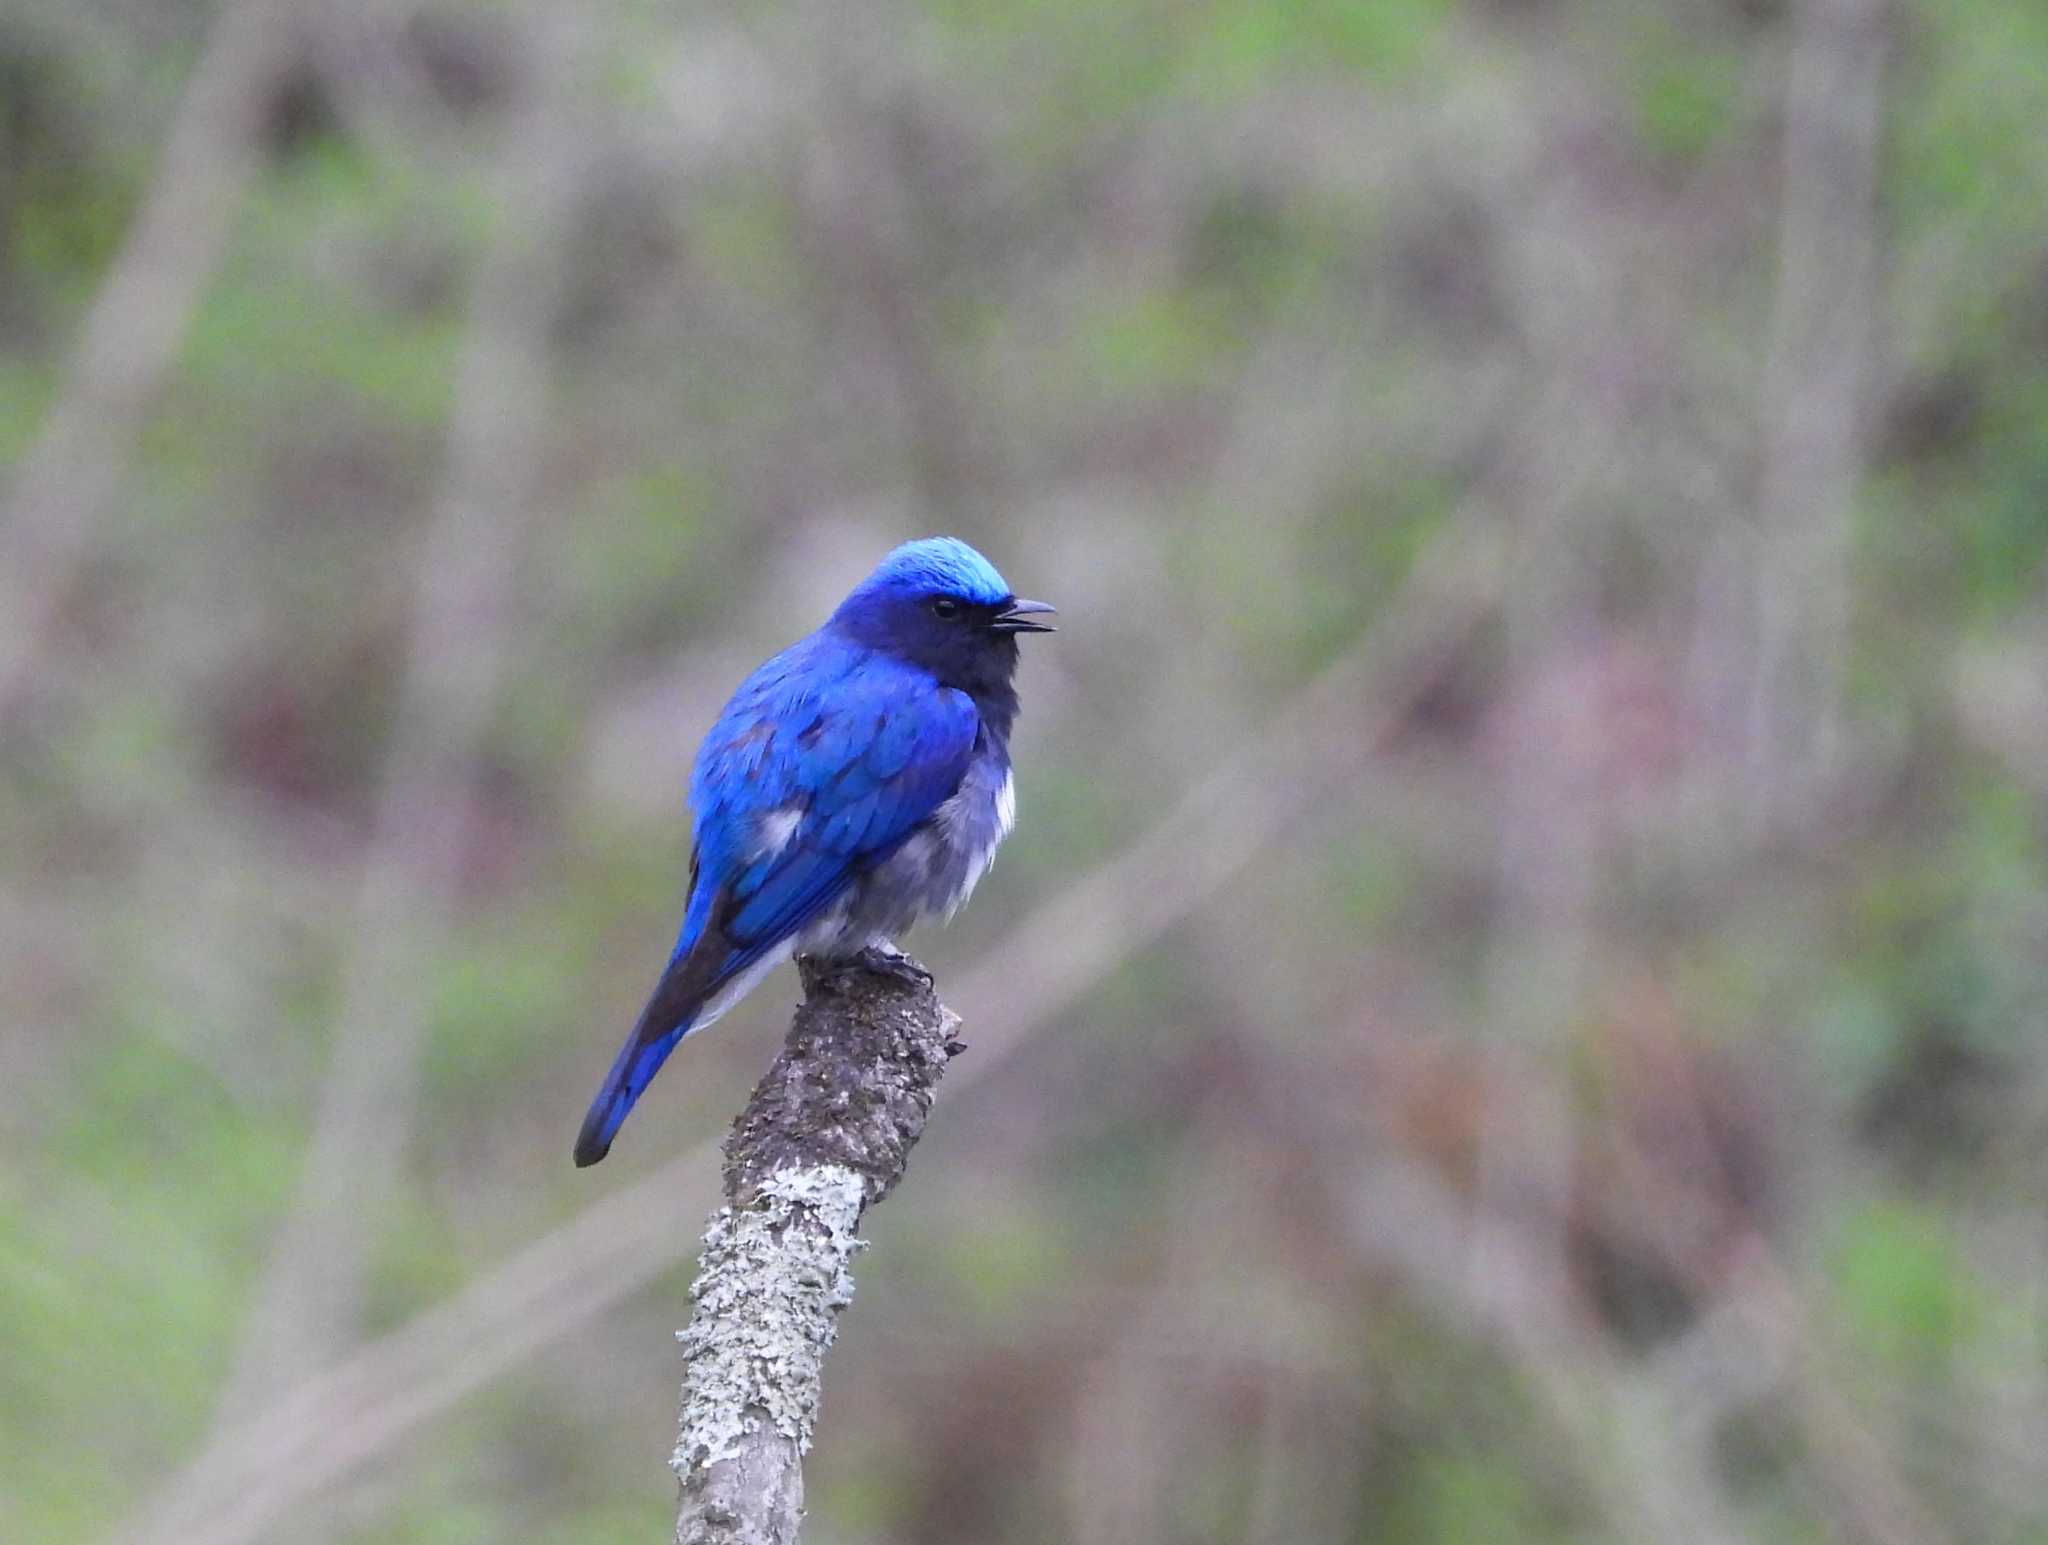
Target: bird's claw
{"type": "Point", "coordinates": [887, 960]}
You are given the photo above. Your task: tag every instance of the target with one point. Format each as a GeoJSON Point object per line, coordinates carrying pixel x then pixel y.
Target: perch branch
{"type": "Point", "coordinates": [827, 1133]}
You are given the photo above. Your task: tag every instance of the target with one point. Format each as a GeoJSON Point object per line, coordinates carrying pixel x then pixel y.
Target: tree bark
{"type": "Point", "coordinates": [827, 1134]}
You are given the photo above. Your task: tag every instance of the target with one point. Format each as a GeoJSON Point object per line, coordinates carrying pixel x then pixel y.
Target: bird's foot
{"type": "Point", "coordinates": [884, 959]}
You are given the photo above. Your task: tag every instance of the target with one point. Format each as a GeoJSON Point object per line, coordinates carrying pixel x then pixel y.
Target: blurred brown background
{"type": "Point", "coordinates": [1513, 1011]}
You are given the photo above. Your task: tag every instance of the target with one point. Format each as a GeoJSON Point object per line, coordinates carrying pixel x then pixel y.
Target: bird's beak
{"type": "Point", "coordinates": [1016, 615]}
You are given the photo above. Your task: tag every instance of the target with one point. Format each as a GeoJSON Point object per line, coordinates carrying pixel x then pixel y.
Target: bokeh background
{"type": "Point", "coordinates": [1514, 1009]}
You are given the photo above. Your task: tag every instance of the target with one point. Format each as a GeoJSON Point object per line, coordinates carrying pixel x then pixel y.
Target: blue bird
{"type": "Point", "coordinates": [855, 782]}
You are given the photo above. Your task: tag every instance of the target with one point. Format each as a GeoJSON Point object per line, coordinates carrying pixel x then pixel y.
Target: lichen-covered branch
{"type": "Point", "coordinates": [827, 1132]}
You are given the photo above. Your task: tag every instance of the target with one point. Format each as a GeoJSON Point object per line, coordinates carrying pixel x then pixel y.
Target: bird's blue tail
{"type": "Point", "coordinates": [668, 1017]}
{"type": "Point", "coordinates": [638, 1062]}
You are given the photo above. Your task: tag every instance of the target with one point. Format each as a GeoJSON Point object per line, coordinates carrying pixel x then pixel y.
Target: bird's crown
{"type": "Point", "coordinates": [943, 564]}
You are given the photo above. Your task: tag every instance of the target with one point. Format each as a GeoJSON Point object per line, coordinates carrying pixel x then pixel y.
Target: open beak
{"type": "Point", "coordinates": [1015, 617]}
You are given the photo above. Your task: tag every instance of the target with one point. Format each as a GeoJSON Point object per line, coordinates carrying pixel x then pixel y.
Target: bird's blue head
{"type": "Point", "coordinates": [941, 605]}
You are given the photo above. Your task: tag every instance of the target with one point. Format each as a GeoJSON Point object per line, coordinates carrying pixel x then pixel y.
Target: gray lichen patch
{"type": "Point", "coordinates": [774, 1275]}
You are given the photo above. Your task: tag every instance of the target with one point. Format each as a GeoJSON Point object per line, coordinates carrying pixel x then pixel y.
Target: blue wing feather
{"type": "Point", "coordinates": [859, 748]}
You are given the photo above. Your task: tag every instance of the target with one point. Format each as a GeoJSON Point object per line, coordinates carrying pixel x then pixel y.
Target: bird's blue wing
{"type": "Point", "coordinates": [823, 763]}
{"type": "Point", "coordinates": [832, 788]}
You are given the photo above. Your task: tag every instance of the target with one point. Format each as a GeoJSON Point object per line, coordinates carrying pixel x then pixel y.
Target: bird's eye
{"type": "Point", "coordinates": [945, 608]}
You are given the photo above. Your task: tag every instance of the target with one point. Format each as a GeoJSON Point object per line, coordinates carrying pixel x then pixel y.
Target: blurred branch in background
{"type": "Point", "coordinates": [1646, 1429]}
{"type": "Point", "coordinates": [464, 619]}
{"type": "Point", "coordinates": [1813, 402]}
{"type": "Point", "coordinates": [130, 338]}
{"type": "Point", "coordinates": [855, 188]}
{"type": "Point", "coordinates": [1555, 845]}
{"type": "Point", "coordinates": [1642, 1466]}
{"type": "Point", "coordinates": [275, 1460]}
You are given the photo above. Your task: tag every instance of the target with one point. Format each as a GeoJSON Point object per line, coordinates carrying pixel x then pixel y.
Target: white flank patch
{"type": "Point", "coordinates": [1006, 806]}
{"type": "Point", "coordinates": [741, 985]}
{"type": "Point", "coordinates": [826, 933]}
{"type": "Point", "coordinates": [952, 814]}
{"type": "Point", "coordinates": [773, 831]}
{"type": "Point", "coordinates": [916, 852]}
